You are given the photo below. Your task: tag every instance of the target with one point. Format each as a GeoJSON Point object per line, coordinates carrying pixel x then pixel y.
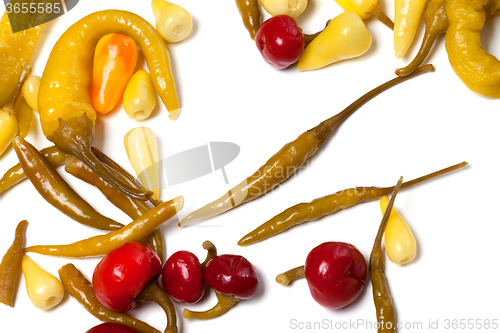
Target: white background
{"type": "Point", "coordinates": [228, 93]}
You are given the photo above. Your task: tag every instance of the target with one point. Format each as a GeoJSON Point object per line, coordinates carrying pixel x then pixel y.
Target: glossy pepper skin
{"type": "Point", "coordinates": [251, 15]}
{"type": "Point", "coordinates": [345, 37]}
{"type": "Point", "coordinates": [366, 9]}
{"type": "Point", "coordinates": [17, 49]}
{"type": "Point", "coordinates": [115, 58]}
{"type": "Point", "coordinates": [100, 245]}
{"type": "Point", "coordinates": [111, 328]}
{"type": "Point", "coordinates": [132, 207]}
{"type": "Point", "coordinates": [54, 189]}
{"type": "Point", "coordinates": [232, 275]}
{"type": "Point", "coordinates": [80, 288]}
{"type": "Point", "coordinates": [122, 274]}
{"type": "Point", "coordinates": [10, 267]}
{"type": "Point", "coordinates": [66, 112]}
{"type": "Point", "coordinates": [335, 273]}
{"type": "Point", "coordinates": [406, 18]}
{"type": "Point", "coordinates": [280, 41]}
{"type": "Point", "coordinates": [183, 278]}
{"type": "Point", "coordinates": [286, 161]}
{"type": "Point", "coordinates": [386, 315]}
{"type": "Point", "coordinates": [16, 174]}
{"type": "Point", "coordinates": [330, 204]}
{"type": "Point", "coordinates": [478, 70]}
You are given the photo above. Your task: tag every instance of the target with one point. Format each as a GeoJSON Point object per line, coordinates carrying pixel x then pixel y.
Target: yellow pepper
{"type": "Point", "coordinates": [142, 151]}
{"type": "Point", "coordinates": [44, 289]}
{"type": "Point", "coordinates": [479, 70]}
{"type": "Point", "coordinates": [292, 8]}
{"type": "Point", "coordinates": [406, 19]}
{"type": "Point", "coordinates": [139, 96]}
{"type": "Point", "coordinates": [366, 9]}
{"type": "Point", "coordinates": [345, 37]}
{"type": "Point", "coordinates": [24, 114]}
{"type": "Point", "coordinates": [30, 91]}
{"type": "Point", "coordinates": [173, 22]}
{"type": "Point", "coordinates": [16, 50]}
{"type": "Point", "coordinates": [9, 126]}
{"type": "Point", "coordinates": [400, 244]}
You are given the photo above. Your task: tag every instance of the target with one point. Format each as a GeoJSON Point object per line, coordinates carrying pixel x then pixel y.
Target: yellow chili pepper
{"type": "Point", "coordinates": [9, 125]}
{"type": "Point", "coordinates": [30, 91]}
{"type": "Point", "coordinates": [292, 8]}
{"type": "Point", "coordinates": [139, 96]}
{"type": "Point", "coordinates": [114, 64]}
{"type": "Point", "coordinates": [406, 19]}
{"type": "Point", "coordinates": [366, 9]}
{"type": "Point", "coordinates": [64, 101]}
{"type": "Point", "coordinates": [400, 244]}
{"type": "Point", "coordinates": [478, 70]}
{"type": "Point", "coordinates": [44, 289]}
{"type": "Point", "coordinates": [173, 22]}
{"type": "Point", "coordinates": [16, 50]}
{"type": "Point", "coordinates": [142, 151]}
{"type": "Point", "coordinates": [345, 37]}
{"type": "Point", "coordinates": [100, 245]}
{"type": "Point", "coordinates": [24, 114]}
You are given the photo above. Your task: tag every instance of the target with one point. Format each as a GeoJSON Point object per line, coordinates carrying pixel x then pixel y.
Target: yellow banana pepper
{"type": "Point", "coordinates": [292, 8]}
{"type": "Point", "coordinates": [479, 70]}
{"type": "Point", "coordinates": [406, 19]}
{"type": "Point", "coordinates": [142, 151]}
{"type": "Point", "coordinates": [400, 244]}
{"type": "Point", "coordinates": [366, 9]}
{"type": "Point", "coordinates": [30, 91]}
{"type": "Point", "coordinates": [345, 37]}
{"type": "Point", "coordinates": [139, 96]}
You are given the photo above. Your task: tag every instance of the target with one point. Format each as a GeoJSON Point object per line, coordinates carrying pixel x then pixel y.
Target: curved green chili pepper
{"type": "Point", "coordinates": [55, 190]}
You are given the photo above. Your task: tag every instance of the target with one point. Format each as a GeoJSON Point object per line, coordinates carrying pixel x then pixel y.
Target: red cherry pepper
{"type": "Point", "coordinates": [127, 276]}
{"type": "Point", "coordinates": [122, 274]}
{"type": "Point", "coordinates": [183, 277]}
{"type": "Point", "coordinates": [233, 278]}
{"type": "Point", "coordinates": [280, 41]}
{"type": "Point", "coordinates": [335, 273]}
{"type": "Point", "coordinates": [111, 328]}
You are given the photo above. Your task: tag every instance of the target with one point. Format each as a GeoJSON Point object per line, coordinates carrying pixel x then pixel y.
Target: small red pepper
{"type": "Point", "coordinates": [114, 64]}
{"type": "Point", "coordinates": [233, 278]}
{"type": "Point", "coordinates": [111, 328]}
{"type": "Point", "coordinates": [183, 278]}
{"type": "Point", "coordinates": [280, 41]}
{"type": "Point", "coordinates": [128, 276]}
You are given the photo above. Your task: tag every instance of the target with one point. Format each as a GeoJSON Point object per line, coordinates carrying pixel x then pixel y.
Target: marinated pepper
{"type": "Point", "coordinates": [54, 189]}
{"type": "Point", "coordinates": [289, 159]}
{"type": "Point", "coordinates": [406, 19]}
{"type": "Point", "coordinates": [330, 204]}
{"type": "Point", "coordinates": [64, 102]}
{"type": "Point", "coordinates": [251, 15]}
{"type": "Point", "coordinates": [80, 288]}
{"type": "Point", "coordinates": [173, 22]}
{"type": "Point", "coordinates": [103, 244]}
{"type": "Point", "coordinates": [10, 267]}
{"type": "Point", "coordinates": [366, 9]}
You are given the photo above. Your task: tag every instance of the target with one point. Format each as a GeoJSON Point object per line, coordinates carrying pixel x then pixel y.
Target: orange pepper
{"type": "Point", "coordinates": [114, 64]}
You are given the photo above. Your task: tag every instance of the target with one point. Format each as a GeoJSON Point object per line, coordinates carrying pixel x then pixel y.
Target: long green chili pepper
{"type": "Point", "coordinates": [130, 206]}
{"type": "Point", "coordinates": [10, 267]}
{"type": "Point", "coordinates": [386, 316]}
{"type": "Point", "coordinates": [81, 289]}
{"type": "Point", "coordinates": [100, 245]}
{"type": "Point", "coordinates": [250, 14]}
{"type": "Point", "coordinates": [289, 159]}
{"type": "Point", "coordinates": [16, 174]}
{"type": "Point", "coordinates": [436, 24]}
{"type": "Point", "coordinates": [330, 204]}
{"type": "Point", "coordinates": [154, 293]}
{"type": "Point", "coordinates": [55, 190]}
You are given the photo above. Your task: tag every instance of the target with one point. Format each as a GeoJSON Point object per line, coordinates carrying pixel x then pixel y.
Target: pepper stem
{"type": "Point", "coordinates": [223, 305]}
{"type": "Point", "coordinates": [212, 252]}
{"type": "Point", "coordinates": [380, 15]}
{"type": "Point", "coordinates": [11, 105]}
{"type": "Point", "coordinates": [309, 38]}
{"type": "Point", "coordinates": [324, 129]}
{"type": "Point", "coordinates": [425, 48]}
{"type": "Point", "coordinates": [154, 293]}
{"type": "Point", "coordinates": [294, 274]}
